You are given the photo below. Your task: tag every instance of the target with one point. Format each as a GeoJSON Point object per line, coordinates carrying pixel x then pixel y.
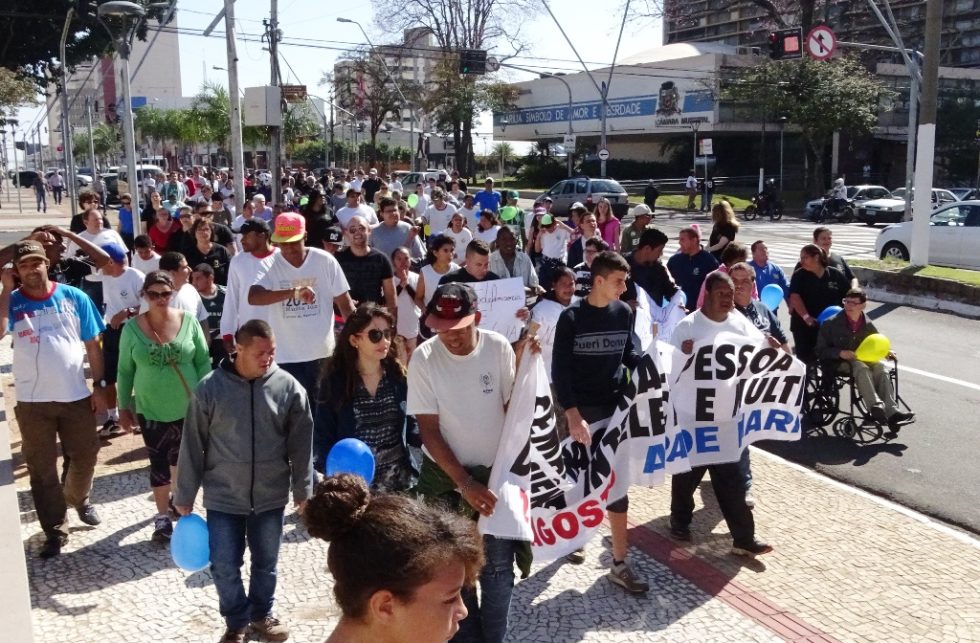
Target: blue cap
{"type": "Point", "coordinates": [115, 251]}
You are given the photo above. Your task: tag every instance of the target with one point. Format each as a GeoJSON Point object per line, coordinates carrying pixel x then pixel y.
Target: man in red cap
{"type": "Point", "coordinates": [300, 288]}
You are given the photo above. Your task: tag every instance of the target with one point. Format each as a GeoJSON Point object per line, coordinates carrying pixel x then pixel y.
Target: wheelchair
{"type": "Point", "coordinates": [824, 408]}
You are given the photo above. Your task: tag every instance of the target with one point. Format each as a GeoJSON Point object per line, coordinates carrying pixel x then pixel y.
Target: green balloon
{"type": "Point", "coordinates": [413, 200]}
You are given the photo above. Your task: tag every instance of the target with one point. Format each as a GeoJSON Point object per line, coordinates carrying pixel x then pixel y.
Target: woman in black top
{"type": "Point", "coordinates": [318, 219]}
{"type": "Point", "coordinates": [203, 250]}
{"type": "Point", "coordinates": [363, 396]}
{"type": "Point", "coordinates": [814, 287]}
{"type": "Point", "coordinates": [724, 230]}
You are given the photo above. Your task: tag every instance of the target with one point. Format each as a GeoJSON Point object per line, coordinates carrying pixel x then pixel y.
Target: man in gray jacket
{"type": "Point", "coordinates": [247, 440]}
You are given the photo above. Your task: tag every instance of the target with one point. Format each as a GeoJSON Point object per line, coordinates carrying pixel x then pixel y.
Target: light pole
{"type": "Point", "coordinates": [695, 126]}
{"type": "Point", "coordinates": [121, 20]}
{"type": "Point", "coordinates": [13, 136]}
{"type": "Point", "coordinates": [411, 106]}
{"type": "Point", "coordinates": [782, 131]}
{"type": "Point", "coordinates": [66, 142]}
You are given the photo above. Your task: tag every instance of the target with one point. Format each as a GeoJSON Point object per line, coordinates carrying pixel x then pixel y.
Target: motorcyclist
{"type": "Point", "coordinates": [768, 197]}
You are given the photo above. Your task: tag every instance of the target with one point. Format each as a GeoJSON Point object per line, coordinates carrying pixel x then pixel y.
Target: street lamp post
{"type": "Point", "coordinates": [411, 106]}
{"type": "Point", "coordinates": [695, 126]}
{"type": "Point", "coordinates": [121, 20]}
{"type": "Point", "coordinates": [782, 131]}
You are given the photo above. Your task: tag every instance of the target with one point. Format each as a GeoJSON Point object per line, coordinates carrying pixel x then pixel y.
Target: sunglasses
{"type": "Point", "coordinates": [159, 294]}
{"type": "Point", "coordinates": [376, 335]}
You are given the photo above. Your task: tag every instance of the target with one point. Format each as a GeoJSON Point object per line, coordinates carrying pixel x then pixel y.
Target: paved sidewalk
{"type": "Point", "coordinates": [847, 567]}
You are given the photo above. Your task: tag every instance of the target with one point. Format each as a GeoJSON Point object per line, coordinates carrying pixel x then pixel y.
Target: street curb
{"type": "Point", "coordinates": [13, 566]}
{"type": "Point", "coordinates": [930, 293]}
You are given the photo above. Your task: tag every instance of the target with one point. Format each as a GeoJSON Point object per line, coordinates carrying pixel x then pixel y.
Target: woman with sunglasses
{"type": "Point", "coordinates": [163, 354]}
{"type": "Point", "coordinates": [127, 221]}
{"type": "Point", "coordinates": [162, 229]}
{"type": "Point", "coordinates": [150, 208]}
{"type": "Point", "coordinates": [363, 396]}
{"type": "Point", "coordinates": [204, 250]}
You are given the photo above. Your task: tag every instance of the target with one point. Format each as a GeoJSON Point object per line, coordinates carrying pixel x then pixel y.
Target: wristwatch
{"type": "Point", "coordinates": [101, 383]}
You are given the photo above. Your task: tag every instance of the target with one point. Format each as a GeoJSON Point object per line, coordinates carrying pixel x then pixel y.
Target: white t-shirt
{"type": "Point", "coordinates": [304, 332]}
{"type": "Point", "coordinates": [396, 186]}
{"type": "Point", "coordinates": [488, 236]}
{"type": "Point", "coordinates": [243, 271]}
{"type": "Point", "coordinates": [472, 217]}
{"type": "Point", "coordinates": [120, 293]}
{"type": "Point", "coordinates": [147, 266]}
{"type": "Point", "coordinates": [422, 205]}
{"type": "Point", "coordinates": [439, 219]}
{"type": "Point", "coordinates": [462, 238]}
{"type": "Point", "coordinates": [431, 278]}
{"type": "Point", "coordinates": [546, 312]}
{"type": "Point", "coordinates": [699, 328]}
{"type": "Point", "coordinates": [408, 312]}
{"type": "Point", "coordinates": [100, 238]}
{"type": "Point", "coordinates": [346, 213]}
{"type": "Point", "coordinates": [356, 184]}
{"type": "Point", "coordinates": [468, 393]}
{"type": "Point", "coordinates": [555, 244]}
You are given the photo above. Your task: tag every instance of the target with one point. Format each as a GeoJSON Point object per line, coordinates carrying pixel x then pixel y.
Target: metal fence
{"type": "Point", "coordinates": [745, 186]}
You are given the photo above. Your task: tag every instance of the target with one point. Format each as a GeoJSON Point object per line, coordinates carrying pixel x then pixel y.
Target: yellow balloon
{"type": "Point", "coordinates": [874, 348]}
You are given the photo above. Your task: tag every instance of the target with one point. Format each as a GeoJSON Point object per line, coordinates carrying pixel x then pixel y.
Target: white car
{"type": "Point", "coordinates": [893, 210]}
{"type": "Point", "coordinates": [954, 237]}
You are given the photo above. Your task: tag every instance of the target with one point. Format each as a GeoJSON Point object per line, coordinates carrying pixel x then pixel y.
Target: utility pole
{"type": "Point", "coordinates": [925, 152]}
{"type": "Point", "coordinates": [272, 32]}
{"type": "Point", "coordinates": [331, 155]}
{"type": "Point", "coordinates": [66, 142]}
{"type": "Point", "coordinates": [234, 109]}
{"type": "Point", "coordinates": [91, 141]}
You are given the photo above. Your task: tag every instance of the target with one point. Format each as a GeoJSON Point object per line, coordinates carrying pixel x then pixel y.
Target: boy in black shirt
{"type": "Point", "coordinates": [593, 348]}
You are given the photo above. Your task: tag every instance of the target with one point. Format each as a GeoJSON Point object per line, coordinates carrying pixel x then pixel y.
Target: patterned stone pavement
{"type": "Point", "coordinates": [847, 567]}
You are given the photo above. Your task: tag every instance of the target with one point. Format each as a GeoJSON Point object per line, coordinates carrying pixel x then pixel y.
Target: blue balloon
{"type": "Point", "coordinates": [771, 296]}
{"type": "Point", "coordinates": [350, 455]}
{"type": "Point", "coordinates": [828, 312]}
{"type": "Point", "coordinates": [190, 546]}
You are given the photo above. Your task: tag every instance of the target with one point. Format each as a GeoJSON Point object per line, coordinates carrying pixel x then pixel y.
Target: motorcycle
{"type": "Point", "coordinates": [765, 205]}
{"type": "Point", "coordinates": [844, 213]}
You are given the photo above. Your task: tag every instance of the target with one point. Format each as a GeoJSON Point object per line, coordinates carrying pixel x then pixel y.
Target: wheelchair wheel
{"type": "Point", "coordinates": [845, 428]}
{"type": "Point", "coordinates": [820, 402]}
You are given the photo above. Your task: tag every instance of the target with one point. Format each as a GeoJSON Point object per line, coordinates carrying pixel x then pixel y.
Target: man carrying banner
{"type": "Point", "coordinates": [593, 348]}
{"type": "Point", "coordinates": [715, 316]}
{"type": "Point", "coordinates": [459, 383]}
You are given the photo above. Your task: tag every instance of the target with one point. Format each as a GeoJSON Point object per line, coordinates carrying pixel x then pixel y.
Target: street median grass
{"type": "Point", "coordinates": [679, 201]}
{"type": "Point", "coordinates": [959, 275]}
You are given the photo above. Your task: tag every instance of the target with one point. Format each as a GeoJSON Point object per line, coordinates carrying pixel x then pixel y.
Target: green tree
{"type": "Point", "coordinates": [818, 97]}
{"type": "Point", "coordinates": [106, 144]}
{"type": "Point", "coordinates": [14, 92]}
{"type": "Point", "coordinates": [32, 35]}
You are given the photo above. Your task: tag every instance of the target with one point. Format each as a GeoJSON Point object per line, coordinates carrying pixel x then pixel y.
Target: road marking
{"type": "Point", "coordinates": [941, 378]}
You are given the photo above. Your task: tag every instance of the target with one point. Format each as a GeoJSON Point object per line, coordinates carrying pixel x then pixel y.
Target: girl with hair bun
{"type": "Point", "coordinates": [399, 565]}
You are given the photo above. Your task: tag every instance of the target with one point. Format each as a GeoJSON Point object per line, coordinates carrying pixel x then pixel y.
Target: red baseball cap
{"type": "Point", "coordinates": [290, 227]}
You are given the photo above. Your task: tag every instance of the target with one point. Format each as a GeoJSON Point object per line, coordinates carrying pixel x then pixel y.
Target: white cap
{"type": "Point", "coordinates": [578, 205]}
{"type": "Point", "coordinates": [642, 209]}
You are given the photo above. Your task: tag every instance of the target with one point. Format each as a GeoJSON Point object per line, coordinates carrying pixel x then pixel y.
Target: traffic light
{"type": "Point", "coordinates": [786, 43]}
{"type": "Point", "coordinates": [473, 61]}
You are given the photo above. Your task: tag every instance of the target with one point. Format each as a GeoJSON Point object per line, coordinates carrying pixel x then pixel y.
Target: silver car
{"type": "Point", "coordinates": [581, 188]}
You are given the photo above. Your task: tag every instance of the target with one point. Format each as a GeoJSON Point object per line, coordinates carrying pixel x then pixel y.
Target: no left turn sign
{"type": "Point", "coordinates": [821, 42]}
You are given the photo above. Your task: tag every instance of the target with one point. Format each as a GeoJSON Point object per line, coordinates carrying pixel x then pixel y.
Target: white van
{"type": "Point", "coordinates": [142, 171]}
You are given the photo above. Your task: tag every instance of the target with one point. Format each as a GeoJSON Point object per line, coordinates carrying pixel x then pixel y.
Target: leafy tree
{"type": "Point", "coordinates": [818, 97]}
{"type": "Point", "coordinates": [452, 101]}
{"type": "Point", "coordinates": [32, 35]}
{"type": "Point", "coordinates": [14, 92]}
{"type": "Point", "coordinates": [381, 98]}
{"type": "Point", "coordinates": [956, 151]}
{"type": "Point", "coordinates": [106, 143]}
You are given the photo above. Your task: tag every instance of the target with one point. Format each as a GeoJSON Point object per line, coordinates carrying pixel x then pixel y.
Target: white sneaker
{"type": "Point", "coordinates": [749, 499]}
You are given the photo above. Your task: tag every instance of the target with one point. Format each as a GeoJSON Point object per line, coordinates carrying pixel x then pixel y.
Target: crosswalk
{"type": "Point", "coordinates": [784, 239]}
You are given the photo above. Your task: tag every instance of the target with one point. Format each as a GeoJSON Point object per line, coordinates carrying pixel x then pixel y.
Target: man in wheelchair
{"type": "Point", "coordinates": [837, 342]}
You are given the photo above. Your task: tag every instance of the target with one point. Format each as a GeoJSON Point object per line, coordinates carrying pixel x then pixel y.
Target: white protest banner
{"type": "Point", "coordinates": [730, 392]}
{"type": "Point", "coordinates": [498, 302]}
{"type": "Point", "coordinates": [649, 313]}
{"type": "Point", "coordinates": [546, 313]}
{"type": "Point", "coordinates": [528, 455]}
{"type": "Point", "coordinates": [569, 485]}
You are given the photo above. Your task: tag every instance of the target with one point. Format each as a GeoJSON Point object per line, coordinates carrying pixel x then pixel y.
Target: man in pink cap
{"type": "Point", "coordinates": [300, 288]}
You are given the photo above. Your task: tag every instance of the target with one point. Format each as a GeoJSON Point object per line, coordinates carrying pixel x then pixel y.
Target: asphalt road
{"type": "Point", "coordinates": [932, 465]}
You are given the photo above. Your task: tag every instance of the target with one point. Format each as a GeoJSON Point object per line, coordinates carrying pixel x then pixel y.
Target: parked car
{"type": "Point", "coordinates": [892, 210]}
{"type": "Point", "coordinates": [856, 195]}
{"type": "Point", "coordinates": [954, 237]}
{"type": "Point", "coordinates": [111, 186]}
{"type": "Point", "coordinates": [965, 194]}
{"type": "Point", "coordinates": [412, 178]}
{"type": "Point", "coordinates": [584, 189]}
{"type": "Point", "coordinates": [142, 171]}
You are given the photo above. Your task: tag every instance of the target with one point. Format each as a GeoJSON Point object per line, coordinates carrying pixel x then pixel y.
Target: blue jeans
{"type": "Point", "coordinates": [745, 468]}
{"type": "Point", "coordinates": [487, 619]}
{"type": "Point", "coordinates": [228, 534]}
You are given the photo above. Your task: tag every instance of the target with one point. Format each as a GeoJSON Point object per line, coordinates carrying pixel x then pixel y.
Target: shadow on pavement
{"type": "Point", "coordinates": [815, 450]}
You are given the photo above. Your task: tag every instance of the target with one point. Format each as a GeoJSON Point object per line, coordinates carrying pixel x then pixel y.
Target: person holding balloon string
{"type": "Point", "coordinates": [851, 337]}
{"type": "Point", "coordinates": [399, 565]}
{"type": "Point", "coordinates": [363, 394]}
{"type": "Point", "coordinates": [247, 443]}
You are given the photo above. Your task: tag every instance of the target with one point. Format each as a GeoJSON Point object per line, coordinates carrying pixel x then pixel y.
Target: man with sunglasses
{"type": "Point", "coordinates": [368, 271]}
{"type": "Point", "coordinates": [839, 338]}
